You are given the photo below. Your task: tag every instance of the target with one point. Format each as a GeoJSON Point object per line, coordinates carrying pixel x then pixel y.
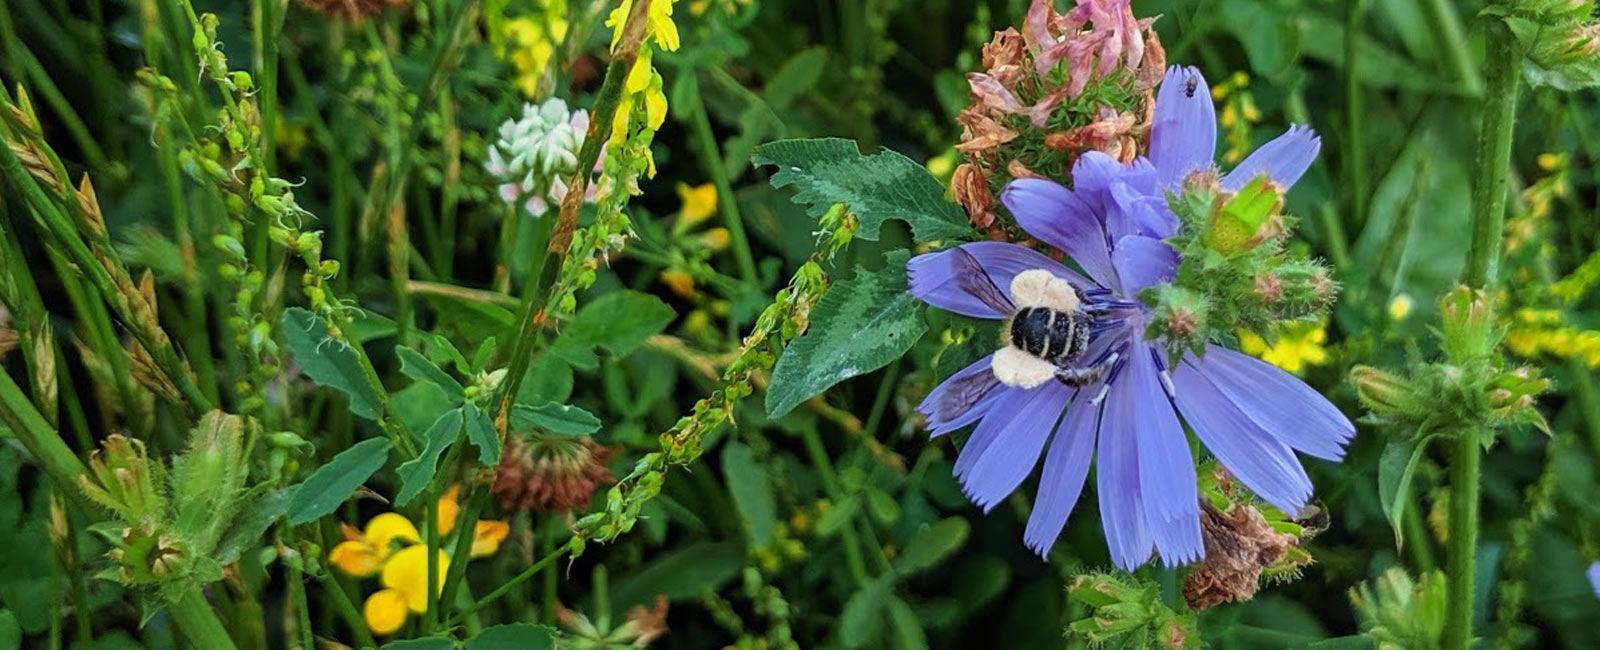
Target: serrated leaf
{"type": "Point", "coordinates": [860, 325]}
{"type": "Point", "coordinates": [861, 619]}
{"type": "Point", "coordinates": [751, 491]}
{"type": "Point", "coordinates": [617, 322]}
{"type": "Point", "coordinates": [481, 433]}
{"type": "Point", "coordinates": [328, 362]}
{"type": "Point", "coordinates": [515, 636]}
{"type": "Point", "coordinates": [931, 546]}
{"type": "Point", "coordinates": [418, 367]}
{"type": "Point", "coordinates": [877, 187]}
{"type": "Point", "coordinates": [335, 481]}
{"type": "Point", "coordinates": [908, 633]}
{"type": "Point", "coordinates": [424, 643]}
{"type": "Point", "coordinates": [561, 419]}
{"type": "Point", "coordinates": [417, 473]}
{"type": "Point", "coordinates": [1395, 470]}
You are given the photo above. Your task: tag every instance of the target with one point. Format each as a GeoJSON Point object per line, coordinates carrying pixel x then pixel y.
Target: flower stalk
{"type": "Point", "coordinates": [1501, 79]}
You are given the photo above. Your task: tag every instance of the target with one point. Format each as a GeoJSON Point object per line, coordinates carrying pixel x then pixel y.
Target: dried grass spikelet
{"type": "Point", "coordinates": [1239, 545]}
{"type": "Point", "coordinates": [354, 11]}
{"type": "Point", "coordinates": [8, 332]}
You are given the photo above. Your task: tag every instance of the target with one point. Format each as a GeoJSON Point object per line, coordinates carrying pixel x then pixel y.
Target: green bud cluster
{"type": "Point", "coordinates": [1560, 37]}
{"type": "Point", "coordinates": [1470, 390]}
{"type": "Point", "coordinates": [167, 526]}
{"type": "Point", "coordinates": [1236, 272]}
{"type": "Point", "coordinates": [1399, 613]}
{"type": "Point", "coordinates": [1126, 613]}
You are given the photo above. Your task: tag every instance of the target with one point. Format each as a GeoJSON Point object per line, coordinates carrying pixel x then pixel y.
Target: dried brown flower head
{"type": "Point", "coordinates": [353, 11]}
{"type": "Point", "coordinates": [551, 473]}
{"type": "Point", "coordinates": [1239, 545]}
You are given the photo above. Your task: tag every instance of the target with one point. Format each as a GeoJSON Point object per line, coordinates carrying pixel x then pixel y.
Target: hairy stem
{"type": "Point", "coordinates": [198, 622]}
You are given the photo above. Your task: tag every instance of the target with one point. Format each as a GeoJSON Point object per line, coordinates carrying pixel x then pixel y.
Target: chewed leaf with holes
{"type": "Point", "coordinates": [327, 361]}
{"type": "Point", "coordinates": [858, 326]}
{"type": "Point", "coordinates": [877, 187]}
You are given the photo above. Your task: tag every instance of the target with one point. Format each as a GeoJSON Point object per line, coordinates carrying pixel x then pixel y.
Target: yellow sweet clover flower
{"type": "Point", "coordinates": [699, 203]}
{"type": "Point", "coordinates": [1238, 113]}
{"type": "Point", "coordinates": [642, 86]}
{"type": "Point", "coordinates": [1537, 332]}
{"type": "Point", "coordinates": [1298, 345]}
{"type": "Point", "coordinates": [391, 548]}
{"type": "Point", "coordinates": [658, 25]}
{"type": "Point", "coordinates": [533, 43]}
{"type": "Point", "coordinates": [1399, 307]}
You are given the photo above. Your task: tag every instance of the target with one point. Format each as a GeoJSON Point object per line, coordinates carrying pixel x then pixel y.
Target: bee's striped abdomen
{"type": "Point", "coordinates": [1054, 336]}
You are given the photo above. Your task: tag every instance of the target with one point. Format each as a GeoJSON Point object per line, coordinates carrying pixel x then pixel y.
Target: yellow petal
{"type": "Point", "coordinates": [407, 571]}
{"type": "Point", "coordinates": [355, 558]}
{"type": "Point", "coordinates": [699, 202]}
{"type": "Point", "coordinates": [449, 510]}
{"type": "Point", "coordinates": [387, 528]}
{"type": "Point", "coordinates": [638, 75]}
{"type": "Point", "coordinates": [655, 105]}
{"type": "Point", "coordinates": [385, 611]}
{"type": "Point", "coordinates": [486, 537]}
{"type": "Point", "coordinates": [619, 122]}
{"type": "Point", "coordinates": [615, 20]}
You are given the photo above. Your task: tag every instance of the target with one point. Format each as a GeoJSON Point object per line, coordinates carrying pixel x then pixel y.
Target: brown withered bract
{"type": "Point", "coordinates": [1239, 544]}
{"type": "Point", "coordinates": [353, 11]}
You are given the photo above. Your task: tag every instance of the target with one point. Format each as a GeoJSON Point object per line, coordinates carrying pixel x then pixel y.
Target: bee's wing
{"type": "Point", "coordinates": [973, 279]}
{"type": "Point", "coordinates": [965, 392]}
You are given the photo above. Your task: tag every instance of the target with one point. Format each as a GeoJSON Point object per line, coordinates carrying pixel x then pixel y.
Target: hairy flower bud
{"type": "Point", "coordinates": [1468, 332]}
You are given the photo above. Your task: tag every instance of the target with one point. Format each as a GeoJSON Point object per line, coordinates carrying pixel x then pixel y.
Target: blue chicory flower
{"type": "Point", "coordinates": [1594, 578]}
{"type": "Point", "coordinates": [1252, 416]}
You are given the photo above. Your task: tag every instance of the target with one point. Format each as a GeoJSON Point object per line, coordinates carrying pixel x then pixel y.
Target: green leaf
{"type": "Point", "coordinates": [1352, 642]}
{"type": "Point", "coordinates": [882, 506]}
{"type": "Point", "coordinates": [686, 572]}
{"type": "Point", "coordinates": [751, 491]}
{"type": "Point", "coordinates": [863, 613]}
{"type": "Point", "coordinates": [549, 379]}
{"type": "Point", "coordinates": [877, 187]}
{"type": "Point", "coordinates": [328, 362]}
{"type": "Point", "coordinates": [860, 325]}
{"type": "Point", "coordinates": [10, 632]}
{"type": "Point", "coordinates": [417, 473]}
{"type": "Point", "coordinates": [335, 481]}
{"type": "Point", "coordinates": [418, 367]}
{"type": "Point", "coordinates": [367, 325]}
{"type": "Point", "coordinates": [797, 75]}
{"type": "Point", "coordinates": [616, 322]}
{"type": "Point", "coordinates": [1395, 469]}
{"type": "Point", "coordinates": [931, 546]}
{"type": "Point", "coordinates": [838, 516]}
{"type": "Point", "coordinates": [481, 433]}
{"type": "Point", "coordinates": [424, 643]}
{"type": "Point", "coordinates": [561, 419]}
{"type": "Point", "coordinates": [908, 634]}
{"type": "Point", "coordinates": [252, 523]}
{"type": "Point", "coordinates": [516, 636]}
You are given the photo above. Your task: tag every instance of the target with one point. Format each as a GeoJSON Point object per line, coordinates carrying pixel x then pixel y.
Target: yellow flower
{"type": "Point", "coordinates": [486, 535]}
{"type": "Point", "coordinates": [658, 24]}
{"type": "Point", "coordinates": [716, 239]}
{"type": "Point", "coordinates": [363, 553]}
{"type": "Point", "coordinates": [1399, 307]}
{"type": "Point", "coordinates": [679, 282]}
{"type": "Point", "coordinates": [1298, 345]}
{"type": "Point", "coordinates": [534, 42]}
{"type": "Point", "coordinates": [385, 611]}
{"type": "Point", "coordinates": [699, 203]}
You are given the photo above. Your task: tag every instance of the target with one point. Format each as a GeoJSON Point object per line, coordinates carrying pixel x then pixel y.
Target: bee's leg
{"type": "Point", "coordinates": [1080, 377]}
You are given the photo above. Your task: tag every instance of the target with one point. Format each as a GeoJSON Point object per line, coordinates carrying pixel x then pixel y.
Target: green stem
{"type": "Point", "coordinates": [41, 441]}
{"type": "Point", "coordinates": [198, 622]}
{"type": "Point", "coordinates": [830, 484]}
{"type": "Point", "coordinates": [430, 533]}
{"type": "Point", "coordinates": [547, 541]}
{"type": "Point", "coordinates": [346, 609]}
{"type": "Point", "coordinates": [537, 291]}
{"type": "Point", "coordinates": [506, 588]}
{"type": "Point", "coordinates": [711, 156]}
{"type": "Point", "coordinates": [1446, 28]}
{"type": "Point", "coordinates": [1355, 138]}
{"type": "Point", "coordinates": [1502, 78]}
{"type": "Point", "coordinates": [465, 526]}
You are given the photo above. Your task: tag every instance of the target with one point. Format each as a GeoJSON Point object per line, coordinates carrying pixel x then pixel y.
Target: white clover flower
{"type": "Point", "coordinates": [535, 152]}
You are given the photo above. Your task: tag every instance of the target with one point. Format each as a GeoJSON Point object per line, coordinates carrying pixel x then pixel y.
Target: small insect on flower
{"type": "Point", "coordinates": [1119, 393]}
